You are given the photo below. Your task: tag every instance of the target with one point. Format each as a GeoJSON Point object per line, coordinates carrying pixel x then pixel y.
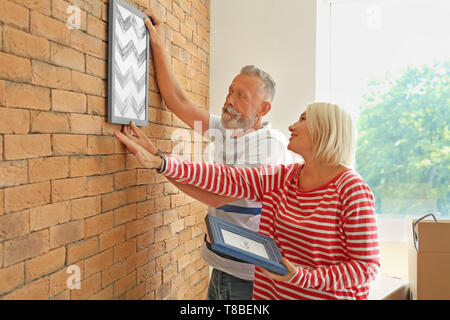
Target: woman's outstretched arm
{"type": "Point", "coordinates": [249, 183]}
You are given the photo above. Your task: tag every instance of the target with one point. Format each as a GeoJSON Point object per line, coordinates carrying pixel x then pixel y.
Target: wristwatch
{"type": "Point", "coordinates": [164, 161]}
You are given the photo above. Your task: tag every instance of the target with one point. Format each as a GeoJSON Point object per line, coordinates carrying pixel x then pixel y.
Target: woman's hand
{"type": "Point", "coordinates": [292, 271]}
{"type": "Point", "coordinates": [154, 27]}
{"type": "Point", "coordinates": [139, 137]}
{"type": "Point", "coordinates": [146, 159]}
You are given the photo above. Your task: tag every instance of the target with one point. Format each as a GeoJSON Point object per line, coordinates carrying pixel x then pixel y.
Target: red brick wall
{"type": "Point", "coordinates": [70, 194]}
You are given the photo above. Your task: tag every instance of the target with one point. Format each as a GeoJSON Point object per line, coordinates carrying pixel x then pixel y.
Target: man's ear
{"type": "Point", "coordinates": [266, 105]}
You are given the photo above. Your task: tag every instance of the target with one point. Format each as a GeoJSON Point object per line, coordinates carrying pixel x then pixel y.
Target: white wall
{"type": "Point", "coordinates": [276, 35]}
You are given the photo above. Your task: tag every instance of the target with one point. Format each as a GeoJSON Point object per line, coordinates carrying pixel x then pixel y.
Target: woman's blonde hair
{"type": "Point", "coordinates": [333, 133]}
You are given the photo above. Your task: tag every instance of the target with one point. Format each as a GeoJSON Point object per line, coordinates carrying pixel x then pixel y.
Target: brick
{"type": "Point", "coordinates": [154, 282]}
{"type": "Point", "coordinates": [49, 122]}
{"type": "Point", "coordinates": [70, 188]}
{"type": "Point", "coordinates": [88, 288]}
{"type": "Point", "coordinates": [111, 237]}
{"type": "Point", "coordinates": [94, 8]}
{"type": "Point", "coordinates": [163, 261]}
{"type": "Point", "coordinates": [154, 100]}
{"type": "Point", "coordinates": [59, 279]}
{"type": "Point", "coordinates": [123, 285]}
{"type": "Point", "coordinates": [82, 249]}
{"type": "Point", "coordinates": [124, 214]}
{"type": "Point", "coordinates": [96, 105]}
{"type": "Point", "coordinates": [145, 176]}
{"type": "Point", "coordinates": [2, 206]}
{"type": "Point", "coordinates": [100, 145]}
{"type": "Point", "coordinates": [137, 227]}
{"type": "Point", "coordinates": [42, 6]}
{"type": "Point", "coordinates": [59, 11]}
{"type": "Point", "coordinates": [119, 147]}
{"type": "Point", "coordinates": [25, 44]}
{"type": "Point", "coordinates": [27, 96]}
{"type": "Point", "coordinates": [164, 117]}
{"type": "Point", "coordinates": [86, 124]}
{"type": "Point", "coordinates": [163, 203]}
{"type": "Point", "coordinates": [47, 75]}
{"type": "Point", "coordinates": [145, 271]}
{"type": "Point", "coordinates": [13, 173]}
{"type": "Point", "coordinates": [124, 179]}
{"type": "Point", "coordinates": [65, 295]}
{"type": "Point", "coordinates": [27, 196]}
{"type": "Point", "coordinates": [85, 207]}
{"type": "Point", "coordinates": [131, 161]}
{"type": "Point", "coordinates": [177, 226]}
{"type": "Point", "coordinates": [99, 184]}
{"type": "Point", "coordinates": [145, 208]}
{"type": "Point", "coordinates": [44, 264]}
{"type": "Point", "coordinates": [86, 83]}
{"type": "Point", "coordinates": [84, 166]}
{"type": "Point", "coordinates": [37, 290]}
{"type": "Point", "coordinates": [124, 249]}
{"type": "Point", "coordinates": [98, 224]}
{"type": "Point", "coordinates": [97, 28]}
{"type": "Point", "coordinates": [98, 263]}
{"type": "Point", "coordinates": [104, 294]}
{"type": "Point", "coordinates": [67, 101]}
{"type": "Point", "coordinates": [170, 216]}
{"type": "Point", "coordinates": [43, 169]}
{"type": "Point", "coordinates": [108, 129]}
{"type": "Point", "coordinates": [49, 28]}
{"type": "Point", "coordinates": [136, 194]}
{"type": "Point", "coordinates": [66, 57]}
{"type": "Point", "coordinates": [96, 67]}
{"type": "Point", "coordinates": [63, 234]}
{"type": "Point", "coordinates": [2, 88]}
{"type": "Point", "coordinates": [14, 225]}
{"type": "Point", "coordinates": [87, 44]}
{"type": "Point", "coordinates": [156, 250]}
{"type": "Point", "coordinates": [136, 293]}
{"type": "Point", "coordinates": [162, 233]}
{"type": "Point", "coordinates": [15, 68]}
{"type": "Point", "coordinates": [49, 215]}
{"type": "Point", "coordinates": [113, 163]}
{"type": "Point", "coordinates": [26, 146]}
{"type": "Point", "coordinates": [114, 200]}
{"type": "Point", "coordinates": [69, 144]}
{"type": "Point", "coordinates": [14, 121]}
{"type": "Point", "coordinates": [11, 13]}
{"type": "Point", "coordinates": [29, 246]}
{"type": "Point", "coordinates": [113, 273]}
{"type": "Point", "coordinates": [154, 190]}
{"type": "Point", "coordinates": [11, 277]}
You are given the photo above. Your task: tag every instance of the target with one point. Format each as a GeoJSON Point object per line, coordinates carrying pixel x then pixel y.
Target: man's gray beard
{"type": "Point", "coordinates": [236, 120]}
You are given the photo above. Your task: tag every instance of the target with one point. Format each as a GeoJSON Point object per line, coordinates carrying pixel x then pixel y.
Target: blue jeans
{"type": "Point", "coordinates": [224, 286]}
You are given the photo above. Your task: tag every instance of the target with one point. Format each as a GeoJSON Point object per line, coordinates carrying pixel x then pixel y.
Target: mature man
{"type": "Point", "coordinates": [241, 138]}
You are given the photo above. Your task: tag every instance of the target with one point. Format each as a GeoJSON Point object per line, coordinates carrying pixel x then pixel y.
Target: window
{"type": "Point", "coordinates": [389, 65]}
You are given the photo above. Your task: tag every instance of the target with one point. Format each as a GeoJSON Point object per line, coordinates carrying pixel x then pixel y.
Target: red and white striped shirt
{"type": "Point", "coordinates": [330, 232]}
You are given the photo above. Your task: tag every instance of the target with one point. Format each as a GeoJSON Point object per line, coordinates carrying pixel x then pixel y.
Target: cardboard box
{"type": "Point", "coordinates": [429, 265]}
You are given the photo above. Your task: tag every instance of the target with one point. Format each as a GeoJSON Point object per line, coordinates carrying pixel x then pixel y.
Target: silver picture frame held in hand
{"type": "Point", "coordinates": [128, 64]}
{"type": "Point", "coordinates": [238, 243]}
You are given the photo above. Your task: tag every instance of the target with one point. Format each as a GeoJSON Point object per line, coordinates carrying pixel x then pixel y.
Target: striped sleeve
{"type": "Point", "coordinates": [358, 222]}
{"type": "Point", "coordinates": [246, 183]}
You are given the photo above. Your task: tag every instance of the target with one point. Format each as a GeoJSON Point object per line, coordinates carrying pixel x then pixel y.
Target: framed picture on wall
{"type": "Point", "coordinates": [128, 64]}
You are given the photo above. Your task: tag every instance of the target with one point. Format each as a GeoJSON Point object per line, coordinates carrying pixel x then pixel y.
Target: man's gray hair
{"type": "Point", "coordinates": [269, 83]}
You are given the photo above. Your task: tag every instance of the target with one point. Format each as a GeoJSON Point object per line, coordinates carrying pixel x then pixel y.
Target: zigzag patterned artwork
{"type": "Point", "coordinates": [128, 65]}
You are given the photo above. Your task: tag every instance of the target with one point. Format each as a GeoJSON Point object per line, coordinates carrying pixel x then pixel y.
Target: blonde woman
{"type": "Point", "coordinates": [320, 212]}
